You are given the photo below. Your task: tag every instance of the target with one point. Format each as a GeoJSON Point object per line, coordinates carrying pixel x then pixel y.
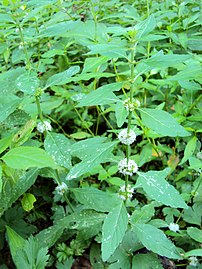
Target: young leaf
{"type": "Point", "coordinates": [155, 240]}
{"type": "Point", "coordinates": [189, 149]}
{"type": "Point", "coordinates": [141, 261]}
{"type": "Point", "coordinates": [195, 234]}
{"type": "Point", "coordinates": [25, 157]}
{"type": "Point", "coordinates": [63, 77]}
{"type": "Point", "coordinates": [157, 188]}
{"type": "Point", "coordinates": [162, 122]}
{"type": "Point", "coordinates": [113, 230]}
{"type": "Point", "coordinates": [58, 146]}
{"type": "Point", "coordinates": [96, 199]}
{"type": "Point", "coordinates": [28, 201]}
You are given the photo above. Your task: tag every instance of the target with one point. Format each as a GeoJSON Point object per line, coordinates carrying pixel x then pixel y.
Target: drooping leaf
{"type": "Point", "coordinates": [141, 261]}
{"type": "Point", "coordinates": [162, 123]}
{"type": "Point", "coordinates": [195, 234]}
{"type": "Point", "coordinates": [92, 63]}
{"type": "Point", "coordinates": [155, 240]}
{"type": "Point", "coordinates": [58, 147]}
{"type": "Point", "coordinates": [157, 188]}
{"type": "Point", "coordinates": [13, 192]}
{"type": "Point", "coordinates": [25, 157]}
{"type": "Point", "coordinates": [120, 114]}
{"type": "Point", "coordinates": [113, 230]}
{"type": "Point", "coordinates": [63, 77]}
{"type": "Point", "coordinates": [96, 199]}
{"type": "Point", "coordinates": [189, 149]}
{"type": "Point", "coordinates": [27, 83]}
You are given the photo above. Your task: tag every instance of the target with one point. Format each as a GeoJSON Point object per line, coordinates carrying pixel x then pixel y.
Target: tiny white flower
{"type": "Point", "coordinates": [43, 126]}
{"type": "Point", "coordinates": [131, 105]}
{"type": "Point", "coordinates": [127, 168]}
{"type": "Point", "coordinates": [193, 261]}
{"type": "Point", "coordinates": [174, 227]}
{"type": "Point", "coordinates": [123, 193]}
{"type": "Point", "coordinates": [61, 188]}
{"type": "Point", "coordinates": [127, 138]}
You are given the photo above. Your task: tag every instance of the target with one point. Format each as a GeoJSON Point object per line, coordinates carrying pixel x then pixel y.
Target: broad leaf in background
{"type": "Point", "coordinates": [58, 147]}
{"type": "Point", "coordinates": [193, 252]}
{"type": "Point", "coordinates": [141, 261]}
{"type": "Point", "coordinates": [155, 240]}
{"type": "Point", "coordinates": [63, 77]}
{"type": "Point", "coordinates": [193, 214]}
{"type": "Point", "coordinates": [5, 142]}
{"type": "Point", "coordinates": [100, 154]}
{"type": "Point", "coordinates": [113, 230]}
{"type": "Point", "coordinates": [109, 50]}
{"type": "Point", "coordinates": [102, 96]}
{"type": "Point", "coordinates": [96, 199]}
{"type": "Point", "coordinates": [157, 188]}
{"type": "Point", "coordinates": [162, 122]}
{"type": "Point", "coordinates": [91, 64]}
{"type": "Point", "coordinates": [27, 83]}
{"type": "Point", "coordinates": [145, 27]}
{"type": "Point", "coordinates": [25, 157]}
{"type": "Point", "coordinates": [13, 191]}
{"type": "Point", "coordinates": [8, 105]}
{"type": "Point", "coordinates": [195, 234]}
{"type": "Point", "coordinates": [189, 149]}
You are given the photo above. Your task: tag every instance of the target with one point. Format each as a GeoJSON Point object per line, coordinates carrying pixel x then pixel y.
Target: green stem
{"type": "Point", "coordinates": [39, 108]}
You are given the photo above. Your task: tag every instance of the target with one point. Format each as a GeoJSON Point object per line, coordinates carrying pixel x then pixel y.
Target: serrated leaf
{"type": "Point", "coordinates": [11, 194]}
{"type": "Point", "coordinates": [28, 201]}
{"type": "Point", "coordinates": [27, 83]}
{"type": "Point", "coordinates": [96, 199]}
{"type": "Point", "coordinates": [141, 261]}
{"type": "Point", "coordinates": [162, 123]}
{"type": "Point", "coordinates": [58, 147]}
{"type": "Point", "coordinates": [157, 188]}
{"type": "Point", "coordinates": [189, 149]}
{"type": "Point", "coordinates": [102, 96]}
{"type": "Point", "coordinates": [195, 234]}
{"type": "Point", "coordinates": [25, 157]}
{"type": "Point", "coordinates": [63, 77]}
{"type": "Point", "coordinates": [99, 155]}
{"type": "Point", "coordinates": [155, 240]}
{"type": "Point", "coordinates": [8, 105]}
{"type": "Point", "coordinates": [113, 230]}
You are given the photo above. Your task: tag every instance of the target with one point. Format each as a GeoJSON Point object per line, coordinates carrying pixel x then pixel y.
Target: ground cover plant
{"type": "Point", "coordinates": [100, 134]}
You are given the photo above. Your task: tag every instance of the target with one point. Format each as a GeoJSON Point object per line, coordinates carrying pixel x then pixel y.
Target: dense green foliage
{"type": "Point", "coordinates": [100, 133]}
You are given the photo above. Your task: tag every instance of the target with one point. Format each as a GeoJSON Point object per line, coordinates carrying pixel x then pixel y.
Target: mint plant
{"type": "Point", "coordinates": [100, 134]}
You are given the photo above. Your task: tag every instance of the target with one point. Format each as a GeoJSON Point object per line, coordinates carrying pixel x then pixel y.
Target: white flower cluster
{"type": "Point", "coordinates": [127, 138]}
{"type": "Point", "coordinates": [123, 193]}
{"type": "Point", "coordinates": [43, 126]}
{"type": "Point", "coordinates": [131, 105]}
{"type": "Point", "coordinates": [193, 261]}
{"type": "Point", "coordinates": [127, 167]}
{"type": "Point", "coordinates": [61, 188]}
{"type": "Point", "coordinates": [174, 227]}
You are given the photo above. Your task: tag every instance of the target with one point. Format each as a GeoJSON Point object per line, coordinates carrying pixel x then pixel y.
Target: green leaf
{"type": "Point", "coordinates": [1, 182]}
{"type": "Point", "coordinates": [96, 199]}
{"type": "Point", "coordinates": [193, 252]}
{"type": "Point", "coordinates": [141, 261]}
{"type": "Point", "coordinates": [195, 234]}
{"type": "Point", "coordinates": [192, 71]}
{"type": "Point", "coordinates": [27, 83]}
{"type": "Point", "coordinates": [25, 157]}
{"type": "Point", "coordinates": [163, 61]}
{"type": "Point", "coordinates": [109, 50]}
{"type": "Point", "coordinates": [93, 63]}
{"type": "Point", "coordinates": [145, 27]}
{"type": "Point", "coordinates": [193, 214]}
{"type": "Point", "coordinates": [162, 122]}
{"type": "Point", "coordinates": [5, 142]}
{"type": "Point", "coordinates": [189, 149]}
{"type": "Point", "coordinates": [157, 188]}
{"type": "Point", "coordinates": [63, 77]}
{"type": "Point", "coordinates": [100, 154]}
{"type": "Point", "coordinates": [15, 241]}
{"type": "Point", "coordinates": [102, 96]}
{"type": "Point", "coordinates": [12, 193]}
{"type": "Point", "coordinates": [58, 147]}
{"type": "Point", "coordinates": [155, 240]}
{"type": "Point", "coordinates": [28, 201]}
{"type": "Point", "coordinates": [95, 257]}
{"type": "Point", "coordinates": [8, 105]}
{"type": "Point", "coordinates": [120, 114]}
{"type": "Point", "coordinates": [113, 230]}
{"type": "Point", "coordinates": [144, 214]}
